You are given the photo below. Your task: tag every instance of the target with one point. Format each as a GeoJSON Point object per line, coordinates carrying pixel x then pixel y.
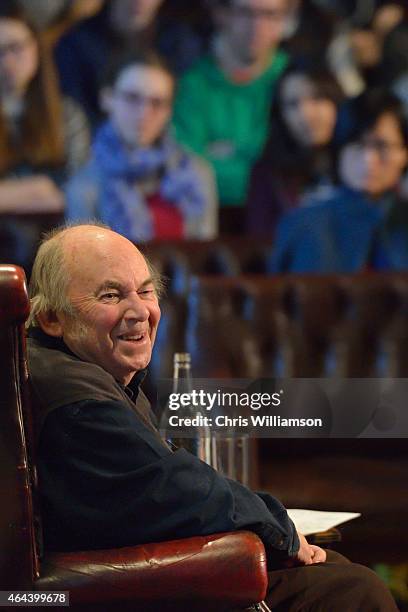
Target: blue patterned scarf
{"type": "Point", "coordinates": [122, 205]}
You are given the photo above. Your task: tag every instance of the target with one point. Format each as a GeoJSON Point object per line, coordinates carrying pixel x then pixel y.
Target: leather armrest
{"type": "Point", "coordinates": [225, 568]}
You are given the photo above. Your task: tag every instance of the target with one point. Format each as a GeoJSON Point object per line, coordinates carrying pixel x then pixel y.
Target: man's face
{"type": "Point", "coordinates": [116, 306]}
{"type": "Point", "coordinates": [253, 27]}
{"type": "Point", "coordinates": [140, 104]}
{"type": "Point", "coordinates": [375, 164]}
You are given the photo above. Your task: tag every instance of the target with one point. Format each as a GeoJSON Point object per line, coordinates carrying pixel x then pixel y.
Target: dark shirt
{"type": "Point", "coordinates": [107, 480]}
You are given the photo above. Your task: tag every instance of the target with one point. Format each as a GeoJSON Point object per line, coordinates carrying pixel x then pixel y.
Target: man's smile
{"type": "Point", "coordinates": [133, 337]}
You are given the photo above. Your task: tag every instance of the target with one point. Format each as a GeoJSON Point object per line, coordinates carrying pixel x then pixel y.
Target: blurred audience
{"type": "Point", "coordinates": [266, 130]}
{"type": "Point", "coordinates": [222, 103]}
{"type": "Point", "coordinates": [306, 18]}
{"type": "Point", "coordinates": [296, 165]}
{"type": "Point", "coordinates": [139, 180]}
{"type": "Point", "coordinates": [389, 15]}
{"type": "Point", "coordinates": [43, 137]}
{"type": "Point", "coordinates": [121, 26]}
{"type": "Point", "coordinates": [364, 224]}
{"type": "Point", "coordinates": [42, 13]}
{"type": "Point", "coordinates": [394, 69]}
{"type": "Point", "coordinates": [356, 52]}
{"type": "Point", "coordinates": [54, 19]}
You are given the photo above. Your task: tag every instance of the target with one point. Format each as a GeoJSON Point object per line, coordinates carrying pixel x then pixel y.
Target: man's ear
{"type": "Point", "coordinates": [50, 323]}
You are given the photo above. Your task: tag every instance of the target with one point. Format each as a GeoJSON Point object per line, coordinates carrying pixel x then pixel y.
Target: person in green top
{"type": "Point", "coordinates": [223, 101]}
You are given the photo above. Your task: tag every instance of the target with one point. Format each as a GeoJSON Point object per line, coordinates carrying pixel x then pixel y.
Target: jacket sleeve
{"type": "Point", "coordinates": [106, 480]}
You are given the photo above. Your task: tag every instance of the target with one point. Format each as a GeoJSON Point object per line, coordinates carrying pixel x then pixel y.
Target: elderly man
{"type": "Point", "coordinates": [106, 477]}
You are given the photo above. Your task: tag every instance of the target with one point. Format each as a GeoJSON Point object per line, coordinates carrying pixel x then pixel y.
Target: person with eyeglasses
{"type": "Point", "coordinates": [363, 223]}
{"type": "Point", "coordinates": [221, 109]}
{"type": "Point", "coordinates": [139, 180]}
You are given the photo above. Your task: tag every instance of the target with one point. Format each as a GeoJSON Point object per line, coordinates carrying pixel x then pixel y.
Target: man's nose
{"type": "Point", "coordinates": [136, 308]}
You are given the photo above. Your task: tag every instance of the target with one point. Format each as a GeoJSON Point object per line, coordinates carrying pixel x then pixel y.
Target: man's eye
{"type": "Point", "coordinates": [109, 297]}
{"type": "Point", "coordinates": [146, 292]}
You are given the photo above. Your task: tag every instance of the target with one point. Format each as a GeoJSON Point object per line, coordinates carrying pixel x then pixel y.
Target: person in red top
{"type": "Point", "coordinates": [139, 180]}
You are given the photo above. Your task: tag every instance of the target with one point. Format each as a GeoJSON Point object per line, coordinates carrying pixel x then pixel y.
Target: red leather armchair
{"type": "Point", "coordinates": [219, 572]}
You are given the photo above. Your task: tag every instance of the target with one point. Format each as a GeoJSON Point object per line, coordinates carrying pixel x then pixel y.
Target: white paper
{"type": "Point", "coordinates": [314, 521]}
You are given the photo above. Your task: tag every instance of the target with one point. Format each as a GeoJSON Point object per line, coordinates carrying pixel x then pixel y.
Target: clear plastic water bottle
{"type": "Point", "coordinates": [194, 438]}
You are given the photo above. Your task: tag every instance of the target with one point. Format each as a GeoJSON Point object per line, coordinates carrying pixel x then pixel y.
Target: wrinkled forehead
{"type": "Point", "coordinates": [89, 268]}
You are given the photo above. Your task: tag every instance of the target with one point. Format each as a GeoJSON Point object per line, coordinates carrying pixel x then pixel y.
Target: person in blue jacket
{"type": "Point", "coordinates": [363, 223]}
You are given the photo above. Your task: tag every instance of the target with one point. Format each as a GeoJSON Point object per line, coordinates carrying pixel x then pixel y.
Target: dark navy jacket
{"type": "Point", "coordinates": [107, 479]}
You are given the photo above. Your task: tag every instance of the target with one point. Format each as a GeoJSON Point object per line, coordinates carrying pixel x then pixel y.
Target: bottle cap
{"type": "Point", "coordinates": [182, 358]}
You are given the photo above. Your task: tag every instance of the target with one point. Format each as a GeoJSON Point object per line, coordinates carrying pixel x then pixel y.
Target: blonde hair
{"type": "Point", "coordinates": [50, 277]}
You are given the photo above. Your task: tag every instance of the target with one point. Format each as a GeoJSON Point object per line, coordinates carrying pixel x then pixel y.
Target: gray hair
{"type": "Point", "coordinates": [48, 287]}
{"type": "Point", "coordinates": [49, 278]}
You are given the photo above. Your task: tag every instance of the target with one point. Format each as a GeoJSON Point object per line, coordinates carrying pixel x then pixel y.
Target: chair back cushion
{"type": "Point", "coordinates": [18, 559]}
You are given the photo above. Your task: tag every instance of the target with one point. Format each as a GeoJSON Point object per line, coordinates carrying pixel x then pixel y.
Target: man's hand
{"type": "Point", "coordinates": [307, 554]}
